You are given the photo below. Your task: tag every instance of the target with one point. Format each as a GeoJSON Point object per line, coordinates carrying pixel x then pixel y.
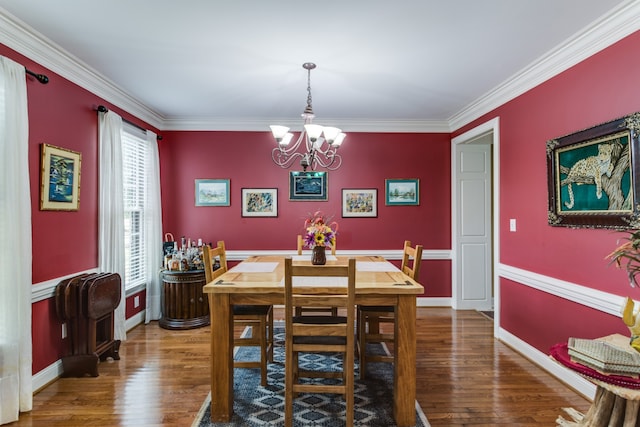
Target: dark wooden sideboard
{"type": "Point", "coordinates": [184, 306]}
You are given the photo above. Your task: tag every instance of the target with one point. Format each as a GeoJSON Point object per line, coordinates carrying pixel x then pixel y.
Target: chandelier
{"type": "Point", "coordinates": [320, 142]}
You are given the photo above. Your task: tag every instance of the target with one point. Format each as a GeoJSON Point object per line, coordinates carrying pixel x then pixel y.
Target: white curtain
{"type": "Point", "coordinates": [16, 388]}
{"type": "Point", "coordinates": [153, 229]}
{"type": "Point", "coordinates": [111, 209]}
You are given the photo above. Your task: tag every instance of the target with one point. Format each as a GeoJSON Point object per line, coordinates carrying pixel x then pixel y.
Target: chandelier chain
{"type": "Point", "coordinates": [320, 142]}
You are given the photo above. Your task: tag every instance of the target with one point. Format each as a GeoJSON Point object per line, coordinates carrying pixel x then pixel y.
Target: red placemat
{"type": "Point", "coordinates": [560, 352]}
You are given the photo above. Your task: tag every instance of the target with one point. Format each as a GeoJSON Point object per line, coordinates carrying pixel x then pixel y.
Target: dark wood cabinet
{"type": "Point", "coordinates": [184, 306]}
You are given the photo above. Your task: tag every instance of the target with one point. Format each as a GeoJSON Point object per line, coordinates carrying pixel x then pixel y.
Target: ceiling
{"type": "Point", "coordinates": [407, 65]}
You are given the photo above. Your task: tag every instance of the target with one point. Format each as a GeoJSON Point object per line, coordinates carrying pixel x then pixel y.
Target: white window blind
{"type": "Point", "coordinates": [134, 153]}
{"type": "Point", "coordinates": [5, 318]}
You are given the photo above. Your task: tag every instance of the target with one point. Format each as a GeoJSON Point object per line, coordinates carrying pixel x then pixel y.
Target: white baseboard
{"type": "Point", "coordinates": [567, 376]}
{"type": "Point", "coordinates": [54, 371]}
{"type": "Point", "coordinates": [433, 302]}
{"type": "Point", "coordinates": [135, 320]}
{"type": "Point", "coordinates": [47, 375]}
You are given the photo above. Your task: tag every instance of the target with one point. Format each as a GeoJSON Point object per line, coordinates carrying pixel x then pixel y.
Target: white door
{"type": "Point", "coordinates": [473, 216]}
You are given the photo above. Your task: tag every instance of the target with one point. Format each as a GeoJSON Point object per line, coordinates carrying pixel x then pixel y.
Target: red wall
{"type": "Point", "coordinates": [368, 159]}
{"type": "Point", "coordinates": [62, 114]}
{"type": "Point", "coordinates": [601, 88]}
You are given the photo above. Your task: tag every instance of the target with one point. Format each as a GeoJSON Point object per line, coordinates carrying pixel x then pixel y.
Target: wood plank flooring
{"type": "Point", "coordinates": [464, 378]}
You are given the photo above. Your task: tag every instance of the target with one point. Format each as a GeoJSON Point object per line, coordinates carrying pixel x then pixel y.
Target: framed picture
{"type": "Point", "coordinates": [59, 179]}
{"type": "Point", "coordinates": [359, 202]}
{"type": "Point", "coordinates": [260, 202]}
{"type": "Point", "coordinates": [402, 192]}
{"type": "Point", "coordinates": [308, 186]}
{"type": "Point", "coordinates": [592, 174]}
{"type": "Point", "coordinates": [212, 192]}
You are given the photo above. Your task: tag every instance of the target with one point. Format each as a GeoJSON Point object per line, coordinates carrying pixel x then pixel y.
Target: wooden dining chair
{"type": "Point", "coordinates": [333, 311]}
{"type": "Point", "coordinates": [370, 317]}
{"type": "Point", "coordinates": [319, 334]}
{"type": "Point", "coordinates": [258, 317]}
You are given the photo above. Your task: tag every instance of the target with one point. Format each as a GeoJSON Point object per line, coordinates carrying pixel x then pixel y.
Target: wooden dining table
{"type": "Point", "coordinates": [260, 280]}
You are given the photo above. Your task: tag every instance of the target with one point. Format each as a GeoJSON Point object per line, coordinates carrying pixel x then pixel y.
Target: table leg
{"type": "Point", "coordinates": [221, 357]}
{"type": "Point", "coordinates": [404, 379]}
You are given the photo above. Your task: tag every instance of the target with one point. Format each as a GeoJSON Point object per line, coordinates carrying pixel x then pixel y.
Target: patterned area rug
{"type": "Point", "coordinates": [264, 406]}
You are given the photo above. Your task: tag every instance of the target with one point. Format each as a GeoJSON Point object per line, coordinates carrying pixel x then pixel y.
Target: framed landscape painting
{"type": "Point", "coordinates": [359, 202]}
{"type": "Point", "coordinates": [402, 192]}
{"type": "Point", "coordinates": [260, 202]}
{"type": "Point", "coordinates": [308, 186]}
{"type": "Point", "coordinates": [212, 192]}
{"type": "Point", "coordinates": [59, 179]}
{"type": "Point", "coordinates": [591, 176]}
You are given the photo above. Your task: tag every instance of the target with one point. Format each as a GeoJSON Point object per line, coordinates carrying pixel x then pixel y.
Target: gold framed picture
{"type": "Point", "coordinates": [59, 179]}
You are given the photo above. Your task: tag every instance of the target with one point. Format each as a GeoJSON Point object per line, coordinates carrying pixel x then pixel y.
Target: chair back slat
{"type": "Point", "coordinates": [209, 256]}
{"type": "Point", "coordinates": [319, 334]}
{"type": "Point", "coordinates": [411, 253]}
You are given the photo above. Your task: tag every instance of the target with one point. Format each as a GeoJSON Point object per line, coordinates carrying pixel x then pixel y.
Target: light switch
{"type": "Point", "coordinates": [136, 301]}
{"type": "Point", "coordinates": [512, 224]}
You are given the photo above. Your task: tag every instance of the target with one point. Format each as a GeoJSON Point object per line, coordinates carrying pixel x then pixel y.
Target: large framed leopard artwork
{"type": "Point", "coordinates": [592, 176]}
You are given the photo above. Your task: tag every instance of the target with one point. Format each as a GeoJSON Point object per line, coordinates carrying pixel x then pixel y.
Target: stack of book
{"type": "Point", "coordinates": [611, 355]}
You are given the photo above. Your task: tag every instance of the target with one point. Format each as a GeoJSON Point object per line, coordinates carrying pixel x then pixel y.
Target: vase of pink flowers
{"type": "Point", "coordinates": [320, 233]}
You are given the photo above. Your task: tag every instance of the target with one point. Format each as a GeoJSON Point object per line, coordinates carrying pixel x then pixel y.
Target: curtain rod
{"type": "Point", "coordinates": [40, 77]}
{"type": "Point", "coordinates": [103, 109]}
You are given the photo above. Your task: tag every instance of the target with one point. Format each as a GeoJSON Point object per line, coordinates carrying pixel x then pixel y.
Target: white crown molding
{"type": "Point", "coordinates": [377, 126]}
{"type": "Point", "coordinates": [619, 23]}
{"type": "Point", "coordinates": [25, 40]}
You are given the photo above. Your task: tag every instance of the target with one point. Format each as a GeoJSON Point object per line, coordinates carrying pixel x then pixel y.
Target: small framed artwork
{"type": "Point", "coordinates": [591, 176]}
{"type": "Point", "coordinates": [402, 192]}
{"type": "Point", "coordinates": [59, 179]}
{"type": "Point", "coordinates": [260, 202]}
{"type": "Point", "coordinates": [359, 202]}
{"type": "Point", "coordinates": [308, 186]}
{"type": "Point", "coordinates": [212, 192]}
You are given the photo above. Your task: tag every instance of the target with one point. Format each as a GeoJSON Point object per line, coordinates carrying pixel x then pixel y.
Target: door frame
{"type": "Point", "coordinates": [490, 127]}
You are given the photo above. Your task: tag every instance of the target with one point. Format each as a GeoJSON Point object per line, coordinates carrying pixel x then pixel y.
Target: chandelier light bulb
{"type": "Point", "coordinates": [338, 141]}
{"type": "Point", "coordinates": [279, 132]}
{"type": "Point", "coordinates": [286, 139]}
{"type": "Point", "coordinates": [315, 145]}
{"type": "Point", "coordinates": [330, 133]}
{"type": "Point", "coordinates": [314, 131]}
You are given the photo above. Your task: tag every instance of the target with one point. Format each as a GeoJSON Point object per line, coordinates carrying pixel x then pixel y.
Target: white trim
{"type": "Point", "coordinates": [47, 289]}
{"type": "Point", "coordinates": [569, 377]}
{"type": "Point", "coordinates": [135, 320]}
{"type": "Point", "coordinates": [54, 371]}
{"type": "Point", "coordinates": [433, 302]}
{"type": "Point", "coordinates": [390, 254]}
{"type": "Point", "coordinates": [618, 23]}
{"type": "Point", "coordinates": [47, 376]}
{"type": "Point", "coordinates": [592, 298]}
{"type": "Point", "coordinates": [491, 126]}
{"type": "Point", "coordinates": [24, 39]}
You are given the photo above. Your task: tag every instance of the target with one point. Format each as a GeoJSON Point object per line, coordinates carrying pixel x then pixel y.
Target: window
{"type": "Point", "coordinates": [134, 160]}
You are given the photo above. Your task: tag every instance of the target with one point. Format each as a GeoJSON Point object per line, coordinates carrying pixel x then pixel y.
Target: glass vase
{"type": "Point", "coordinates": [319, 255]}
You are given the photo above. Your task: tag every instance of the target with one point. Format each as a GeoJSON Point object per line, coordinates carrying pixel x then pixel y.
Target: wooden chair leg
{"type": "Point", "coordinates": [362, 343]}
{"type": "Point", "coordinates": [270, 341]}
{"type": "Point", "coordinates": [288, 388]}
{"type": "Point", "coordinates": [263, 352]}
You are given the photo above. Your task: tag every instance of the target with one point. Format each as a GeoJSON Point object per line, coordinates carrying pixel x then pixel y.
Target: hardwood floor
{"type": "Point", "coordinates": [464, 378]}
